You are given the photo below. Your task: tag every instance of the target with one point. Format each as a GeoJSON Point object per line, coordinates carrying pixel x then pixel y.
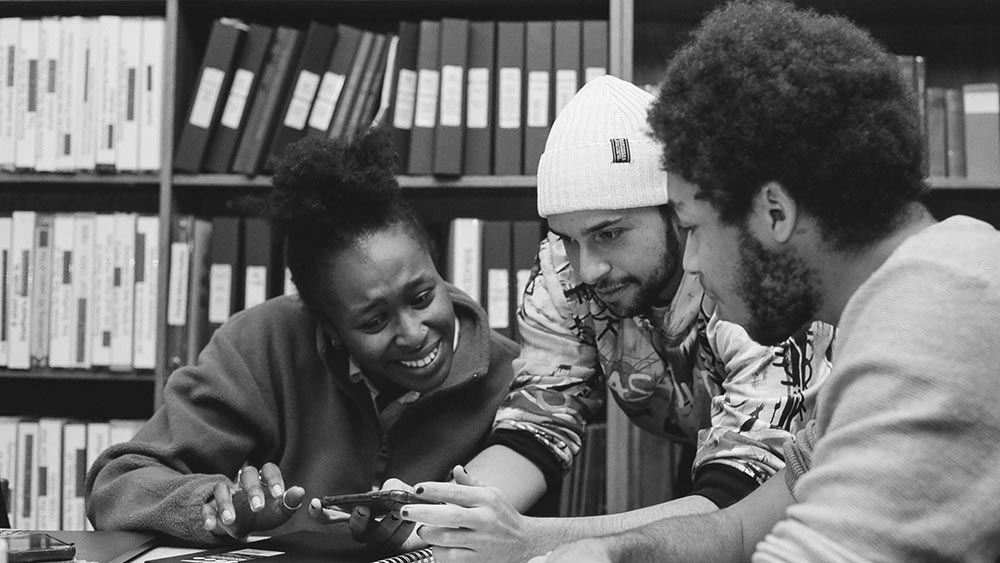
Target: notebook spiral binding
{"type": "Point", "coordinates": [425, 555]}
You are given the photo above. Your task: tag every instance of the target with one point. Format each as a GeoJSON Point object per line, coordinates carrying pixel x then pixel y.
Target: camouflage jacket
{"type": "Point", "coordinates": [679, 372]}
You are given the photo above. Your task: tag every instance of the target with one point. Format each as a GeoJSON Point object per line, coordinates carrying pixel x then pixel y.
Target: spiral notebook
{"type": "Point", "coordinates": [297, 547]}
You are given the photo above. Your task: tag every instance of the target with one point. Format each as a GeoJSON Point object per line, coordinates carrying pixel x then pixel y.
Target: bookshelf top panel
{"type": "Point", "coordinates": [36, 8]}
{"type": "Point", "coordinates": [379, 10]}
{"type": "Point", "coordinates": [860, 10]}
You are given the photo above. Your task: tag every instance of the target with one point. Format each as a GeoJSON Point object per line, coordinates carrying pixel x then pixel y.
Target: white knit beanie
{"type": "Point", "coordinates": [599, 154]}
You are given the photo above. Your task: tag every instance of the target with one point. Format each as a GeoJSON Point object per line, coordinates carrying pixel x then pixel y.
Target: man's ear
{"type": "Point", "coordinates": [774, 213]}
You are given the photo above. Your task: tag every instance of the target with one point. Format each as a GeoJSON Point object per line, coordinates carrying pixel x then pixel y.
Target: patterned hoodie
{"type": "Point", "coordinates": [678, 372]}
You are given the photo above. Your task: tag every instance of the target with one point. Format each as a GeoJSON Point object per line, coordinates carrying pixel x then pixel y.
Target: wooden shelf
{"type": "Point", "coordinates": [89, 178]}
{"type": "Point", "coordinates": [77, 374]}
{"type": "Point", "coordinates": [407, 182]}
{"type": "Point", "coordinates": [964, 184]}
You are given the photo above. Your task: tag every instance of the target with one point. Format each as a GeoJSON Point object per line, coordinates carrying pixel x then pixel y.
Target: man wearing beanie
{"type": "Point", "coordinates": [609, 306]}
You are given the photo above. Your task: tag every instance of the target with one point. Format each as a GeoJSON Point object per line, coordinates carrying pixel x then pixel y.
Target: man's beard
{"type": "Point", "coordinates": [644, 294]}
{"type": "Point", "coordinates": [779, 290]}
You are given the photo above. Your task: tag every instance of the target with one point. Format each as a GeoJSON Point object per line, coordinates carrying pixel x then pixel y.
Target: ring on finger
{"type": "Point", "coordinates": [284, 503]}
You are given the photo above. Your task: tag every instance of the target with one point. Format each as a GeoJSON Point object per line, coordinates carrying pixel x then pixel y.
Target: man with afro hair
{"type": "Point", "coordinates": [795, 158]}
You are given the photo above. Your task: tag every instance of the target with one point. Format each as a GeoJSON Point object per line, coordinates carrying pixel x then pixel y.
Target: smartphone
{"type": "Point", "coordinates": [37, 546]}
{"type": "Point", "coordinates": [379, 502]}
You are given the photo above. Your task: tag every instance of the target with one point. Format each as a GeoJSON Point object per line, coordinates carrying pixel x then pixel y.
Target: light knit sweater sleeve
{"type": "Point", "coordinates": [905, 468]}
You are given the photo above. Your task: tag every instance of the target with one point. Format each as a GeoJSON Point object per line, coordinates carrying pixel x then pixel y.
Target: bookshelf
{"type": "Point", "coordinates": [958, 40]}
{"type": "Point", "coordinates": [100, 393]}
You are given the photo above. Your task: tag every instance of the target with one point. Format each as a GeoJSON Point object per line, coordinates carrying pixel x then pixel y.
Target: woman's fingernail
{"type": "Point", "coordinates": [256, 502]}
{"type": "Point", "coordinates": [405, 512]}
{"type": "Point", "coordinates": [419, 490]}
{"type": "Point", "coordinates": [276, 490]}
{"type": "Point", "coordinates": [227, 516]}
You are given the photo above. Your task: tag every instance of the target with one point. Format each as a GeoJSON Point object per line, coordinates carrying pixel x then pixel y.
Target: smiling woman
{"type": "Point", "coordinates": [378, 370]}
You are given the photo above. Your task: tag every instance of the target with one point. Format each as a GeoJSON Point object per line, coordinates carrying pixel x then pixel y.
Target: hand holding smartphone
{"type": "Point", "coordinates": [380, 503]}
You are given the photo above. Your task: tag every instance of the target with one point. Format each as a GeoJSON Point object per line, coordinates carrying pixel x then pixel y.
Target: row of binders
{"type": "Point", "coordinates": [218, 266]}
{"type": "Point", "coordinates": [81, 94]}
{"type": "Point", "coordinates": [491, 261]}
{"type": "Point", "coordinates": [224, 264]}
{"type": "Point", "coordinates": [451, 89]}
{"type": "Point", "coordinates": [46, 460]}
{"type": "Point", "coordinates": [79, 289]}
{"type": "Point", "coordinates": [961, 125]}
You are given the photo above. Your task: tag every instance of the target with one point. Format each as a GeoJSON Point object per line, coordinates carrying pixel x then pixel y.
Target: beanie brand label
{"type": "Point", "coordinates": [620, 151]}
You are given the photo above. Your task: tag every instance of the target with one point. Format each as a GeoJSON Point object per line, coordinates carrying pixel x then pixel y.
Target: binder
{"type": "Point", "coordinates": [982, 130]}
{"type": "Point", "coordinates": [6, 226]}
{"type": "Point", "coordinates": [151, 102]}
{"type": "Point", "coordinates": [74, 471]}
{"type": "Point", "coordinates": [98, 439]}
{"type": "Point", "coordinates": [213, 82]}
{"type": "Point", "coordinates": [62, 327]}
{"type": "Point", "coordinates": [201, 262]}
{"type": "Point", "coordinates": [465, 255]}
{"type": "Point", "coordinates": [594, 49]}
{"type": "Point", "coordinates": [450, 130]}
{"type": "Point", "coordinates": [538, 92]}
{"type": "Point", "coordinates": [70, 75]}
{"type": "Point", "coordinates": [239, 99]}
{"type": "Point", "coordinates": [49, 471]}
{"type": "Point", "coordinates": [955, 132]}
{"type": "Point", "coordinates": [480, 87]}
{"type": "Point", "coordinates": [48, 106]}
{"type": "Point", "coordinates": [178, 279]}
{"type": "Point", "coordinates": [225, 295]}
{"type": "Point", "coordinates": [21, 287]}
{"type": "Point", "coordinates": [85, 105]}
{"type": "Point", "coordinates": [83, 284]}
{"type": "Point", "coordinates": [386, 88]}
{"type": "Point", "coordinates": [495, 276]}
{"type": "Point", "coordinates": [332, 84]}
{"type": "Point", "coordinates": [26, 476]}
{"type": "Point", "coordinates": [566, 63]}
{"type": "Point", "coordinates": [271, 90]}
{"type": "Point", "coordinates": [508, 155]}
{"type": "Point", "coordinates": [421, 153]}
{"type": "Point", "coordinates": [259, 252]}
{"type": "Point", "coordinates": [103, 290]}
{"type": "Point", "coordinates": [147, 272]}
{"type": "Point", "coordinates": [41, 293]}
{"type": "Point", "coordinates": [106, 94]}
{"type": "Point", "coordinates": [937, 157]}
{"type": "Point", "coordinates": [10, 53]}
{"type": "Point", "coordinates": [26, 91]}
{"type": "Point", "coordinates": [123, 291]}
{"type": "Point", "coordinates": [340, 125]}
{"type": "Point", "coordinates": [363, 108]}
{"type": "Point", "coordinates": [130, 94]}
{"type": "Point", "coordinates": [404, 97]}
{"type": "Point", "coordinates": [319, 43]}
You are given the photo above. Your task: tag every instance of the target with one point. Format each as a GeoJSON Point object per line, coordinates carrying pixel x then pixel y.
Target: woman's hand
{"type": "Point", "coordinates": [477, 524]}
{"type": "Point", "coordinates": [389, 534]}
{"type": "Point", "coordinates": [256, 501]}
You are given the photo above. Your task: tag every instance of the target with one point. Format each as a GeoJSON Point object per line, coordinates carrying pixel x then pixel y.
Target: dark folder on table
{"type": "Point", "coordinates": [297, 547]}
